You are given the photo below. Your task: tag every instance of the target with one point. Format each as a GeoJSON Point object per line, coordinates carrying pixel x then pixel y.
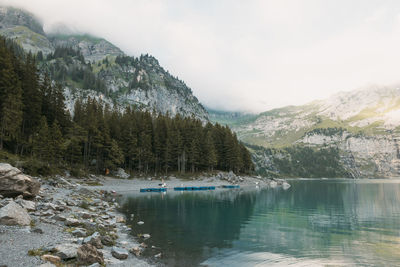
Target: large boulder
{"type": "Point", "coordinates": [14, 183]}
{"type": "Point", "coordinates": [88, 254]}
{"type": "Point", "coordinates": [14, 214]}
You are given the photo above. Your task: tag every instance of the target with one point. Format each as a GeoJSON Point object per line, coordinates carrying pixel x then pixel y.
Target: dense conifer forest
{"type": "Point", "coordinates": [36, 126]}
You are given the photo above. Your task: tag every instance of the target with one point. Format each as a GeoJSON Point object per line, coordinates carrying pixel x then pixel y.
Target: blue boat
{"type": "Point", "coordinates": [194, 188]}
{"type": "Point", "coordinates": [153, 190]}
{"type": "Point", "coordinates": [231, 186]}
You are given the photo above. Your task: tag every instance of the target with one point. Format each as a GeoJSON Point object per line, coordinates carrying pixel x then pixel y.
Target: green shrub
{"type": "Point", "coordinates": [78, 172]}
{"type": "Point", "coordinates": [34, 167]}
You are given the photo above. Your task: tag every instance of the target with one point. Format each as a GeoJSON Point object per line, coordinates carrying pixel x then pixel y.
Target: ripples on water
{"type": "Point", "coordinates": [314, 223]}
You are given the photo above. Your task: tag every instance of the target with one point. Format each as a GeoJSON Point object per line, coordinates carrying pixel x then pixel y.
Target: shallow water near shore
{"type": "Point", "coordinates": [316, 222]}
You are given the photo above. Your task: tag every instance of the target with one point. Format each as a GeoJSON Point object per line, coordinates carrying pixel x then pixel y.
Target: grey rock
{"type": "Point", "coordinates": [47, 213]}
{"type": "Point", "coordinates": [47, 206]}
{"type": "Point", "coordinates": [26, 204]}
{"type": "Point", "coordinates": [94, 239]}
{"type": "Point", "coordinates": [107, 241]}
{"type": "Point", "coordinates": [67, 251]}
{"type": "Point", "coordinates": [145, 236]}
{"type": "Point", "coordinates": [119, 253]}
{"type": "Point", "coordinates": [13, 183]}
{"type": "Point", "coordinates": [90, 225]}
{"type": "Point", "coordinates": [37, 231]}
{"type": "Point", "coordinates": [47, 264]}
{"type": "Point", "coordinates": [85, 215]}
{"type": "Point", "coordinates": [79, 232]}
{"type": "Point", "coordinates": [140, 222]}
{"type": "Point", "coordinates": [72, 222]}
{"type": "Point", "coordinates": [94, 265]}
{"type": "Point", "coordinates": [71, 202]}
{"type": "Point", "coordinates": [59, 217]}
{"type": "Point", "coordinates": [136, 250]}
{"type": "Point", "coordinates": [121, 173]}
{"type": "Point", "coordinates": [14, 214]}
{"type": "Point", "coordinates": [88, 254]}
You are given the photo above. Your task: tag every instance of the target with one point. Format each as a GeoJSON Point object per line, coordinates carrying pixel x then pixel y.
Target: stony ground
{"type": "Point", "coordinates": [66, 216]}
{"type": "Point", "coordinates": [76, 221]}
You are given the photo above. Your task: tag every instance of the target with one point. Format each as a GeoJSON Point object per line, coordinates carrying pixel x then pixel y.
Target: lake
{"type": "Point", "coordinates": [316, 222]}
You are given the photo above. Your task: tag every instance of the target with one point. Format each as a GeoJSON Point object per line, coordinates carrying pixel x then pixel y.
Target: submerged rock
{"type": "Point", "coordinates": [14, 183]}
{"type": "Point", "coordinates": [14, 214]}
{"type": "Point", "coordinates": [285, 185]}
{"type": "Point", "coordinates": [137, 251]}
{"type": "Point", "coordinates": [145, 236]}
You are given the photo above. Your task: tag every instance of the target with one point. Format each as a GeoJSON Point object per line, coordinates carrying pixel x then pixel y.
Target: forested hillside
{"type": "Point", "coordinates": [86, 65]}
{"type": "Point", "coordinates": [35, 125]}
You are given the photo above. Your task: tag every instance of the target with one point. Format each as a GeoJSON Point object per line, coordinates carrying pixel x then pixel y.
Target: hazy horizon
{"type": "Point", "coordinates": [254, 55]}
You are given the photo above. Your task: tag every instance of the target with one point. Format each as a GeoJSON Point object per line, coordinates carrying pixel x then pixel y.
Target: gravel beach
{"type": "Point", "coordinates": [77, 221]}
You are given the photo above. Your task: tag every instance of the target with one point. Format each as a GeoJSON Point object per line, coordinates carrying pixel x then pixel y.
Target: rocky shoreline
{"type": "Point", "coordinates": [66, 224]}
{"type": "Point", "coordinates": [71, 222]}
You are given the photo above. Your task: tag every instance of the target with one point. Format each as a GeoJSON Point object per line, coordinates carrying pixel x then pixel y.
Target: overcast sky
{"type": "Point", "coordinates": [247, 54]}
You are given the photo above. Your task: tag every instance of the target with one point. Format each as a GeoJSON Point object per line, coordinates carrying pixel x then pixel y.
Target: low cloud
{"type": "Point", "coordinates": [247, 55]}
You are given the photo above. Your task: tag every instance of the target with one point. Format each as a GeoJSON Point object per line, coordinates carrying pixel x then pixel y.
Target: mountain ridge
{"type": "Point", "coordinates": [363, 126]}
{"type": "Point", "coordinates": [141, 81]}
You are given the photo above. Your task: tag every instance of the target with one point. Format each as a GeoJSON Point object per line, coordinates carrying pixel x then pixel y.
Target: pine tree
{"type": "Point", "coordinates": [32, 100]}
{"type": "Point", "coordinates": [57, 143]}
{"type": "Point", "coordinates": [41, 142]}
{"type": "Point", "coordinates": [10, 98]}
{"type": "Point", "coordinates": [210, 154]}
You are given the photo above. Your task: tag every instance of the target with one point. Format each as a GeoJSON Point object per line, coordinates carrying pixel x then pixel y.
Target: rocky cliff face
{"type": "Point", "coordinates": [362, 155]}
{"type": "Point", "coordinates": [100, 69]}
{"type": "Point", "coordinates": [92, 48]}
{"type": "Point", "coordinates": [364, 125]}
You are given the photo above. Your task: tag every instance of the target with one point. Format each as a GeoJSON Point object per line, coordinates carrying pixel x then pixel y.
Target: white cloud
{"type": "Point", "coordinates": [249, 55]}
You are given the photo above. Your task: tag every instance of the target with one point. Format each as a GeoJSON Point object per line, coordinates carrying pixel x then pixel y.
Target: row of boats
{"type": "Point", "coordinates": [186, 188]}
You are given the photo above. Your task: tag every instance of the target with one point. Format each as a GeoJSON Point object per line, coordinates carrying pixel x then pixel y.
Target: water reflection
{"type": "Point", "coordinates": [188, 225]}
{"type": "Point", "coordinates": [315, 222]}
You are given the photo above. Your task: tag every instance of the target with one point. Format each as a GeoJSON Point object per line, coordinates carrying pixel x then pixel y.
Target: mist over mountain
{"type": "Point", "coordinates": [99, 69]}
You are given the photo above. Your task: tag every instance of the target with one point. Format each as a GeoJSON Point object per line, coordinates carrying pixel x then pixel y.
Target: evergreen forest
{"type": "Point", "coordinates": [36, 128]}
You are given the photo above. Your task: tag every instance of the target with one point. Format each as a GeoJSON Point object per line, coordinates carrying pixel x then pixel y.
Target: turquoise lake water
{"type": "Point", "coordinates": [314, 223]}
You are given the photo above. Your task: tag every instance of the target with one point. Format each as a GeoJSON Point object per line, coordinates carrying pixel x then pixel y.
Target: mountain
{"type": "Point", "coordinates": [230, 117]}
{"type": "Point", "coordinates": [90, 66]}
{"type": "Point", "coordinates": [357, 133]}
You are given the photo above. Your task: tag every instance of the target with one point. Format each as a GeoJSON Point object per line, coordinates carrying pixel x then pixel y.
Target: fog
{"type": "Point", "coordinates": [250, 55]}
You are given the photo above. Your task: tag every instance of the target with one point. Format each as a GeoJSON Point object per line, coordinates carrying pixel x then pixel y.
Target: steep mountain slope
{"type": "Point", "coordinates": [91, 66]}
{"type": "Point", "coordinates": [363, 125]}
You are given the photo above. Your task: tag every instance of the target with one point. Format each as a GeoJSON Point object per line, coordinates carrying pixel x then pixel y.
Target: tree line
{"type": "Point", "coordinates": [35, 123]}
